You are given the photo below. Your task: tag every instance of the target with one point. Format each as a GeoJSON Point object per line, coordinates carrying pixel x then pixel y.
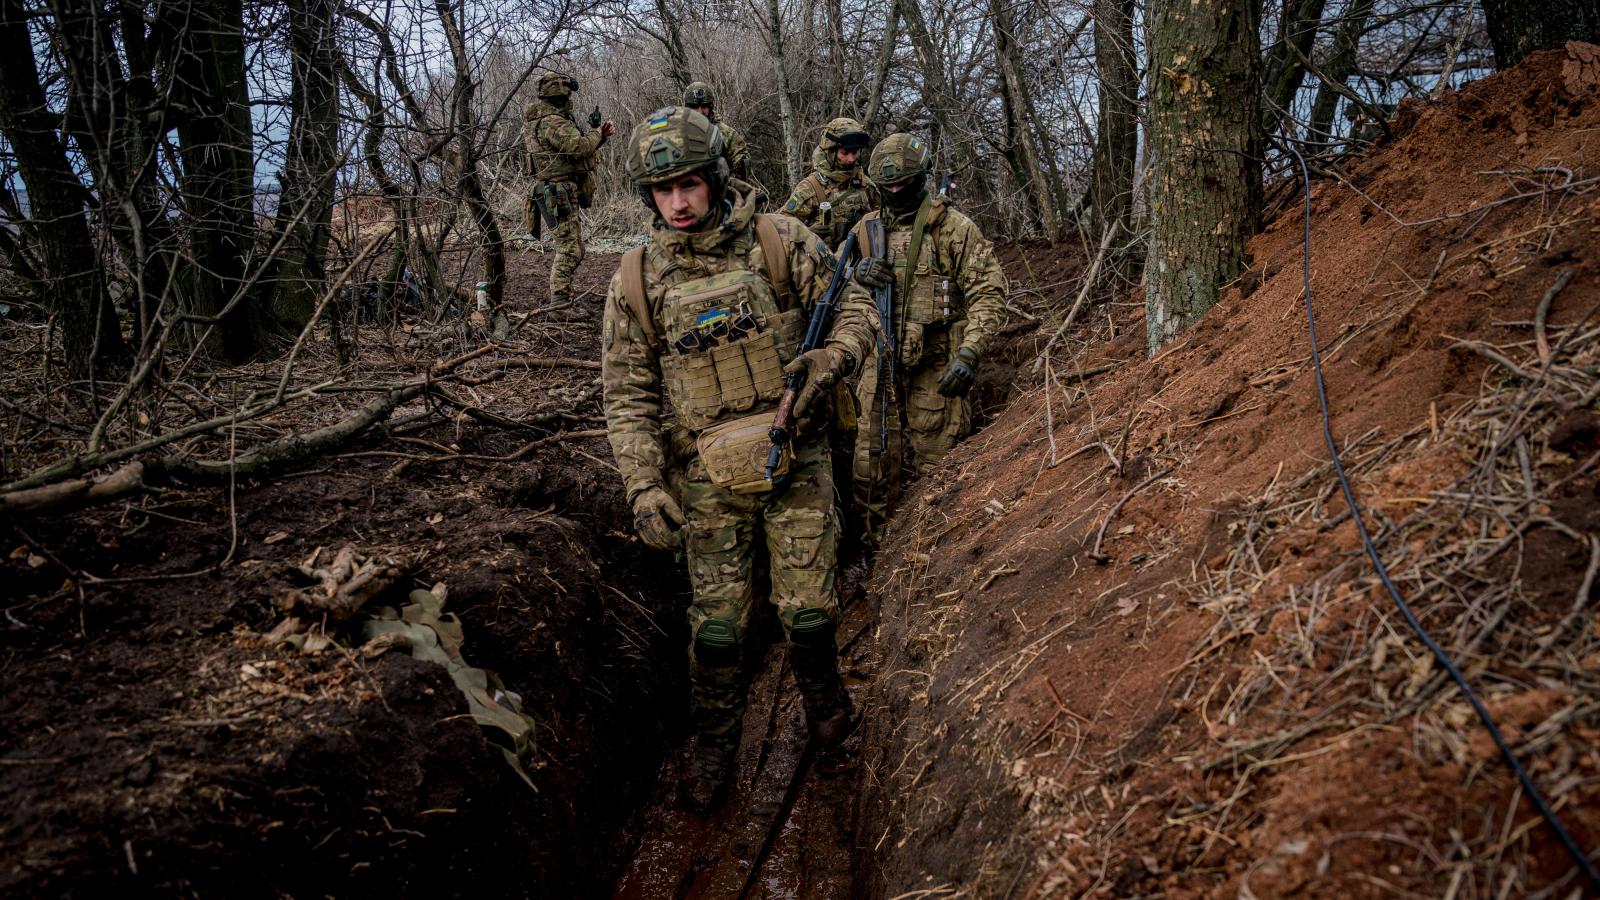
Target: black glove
{"type": "Point", "coordinates": [960, 374]}
{"type": "Point", "coordinates": [873, 273]}
{"type": "Point", "coordinates": [823, 366]}
{"type": "Point", "coordinates": [657, 517]}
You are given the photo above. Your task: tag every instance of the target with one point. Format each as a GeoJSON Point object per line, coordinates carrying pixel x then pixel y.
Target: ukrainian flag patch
{"type": "Point", "coordinates": [659, 122]}
{"type": "Point", "coordinates": [794, 202]}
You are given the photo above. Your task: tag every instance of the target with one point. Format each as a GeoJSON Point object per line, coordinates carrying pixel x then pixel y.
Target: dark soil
{"type": "Point", "coordinates": [155, 744]}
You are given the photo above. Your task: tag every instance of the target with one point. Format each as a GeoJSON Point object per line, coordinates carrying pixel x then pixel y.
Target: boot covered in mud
{"type": "Point", "coordinates": [717, 697]}
{"type": "Point", "coordinates": [830, 716]}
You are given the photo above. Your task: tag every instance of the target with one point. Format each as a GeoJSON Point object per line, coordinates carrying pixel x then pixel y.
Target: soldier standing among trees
{"type": "Point", "coordinates": [698, 97]}
{"type": "Point", "coordinates": [709, 315]}
{"type": "Point", "coordinates": [835, 195]}
{"type": "Point", "coordinates": [563, 170]}
{"type": "Point", "coordinates": [949, 301]}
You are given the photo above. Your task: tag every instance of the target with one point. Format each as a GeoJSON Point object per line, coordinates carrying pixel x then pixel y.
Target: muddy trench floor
{"type": "Point", "coordinates": [154, 741]}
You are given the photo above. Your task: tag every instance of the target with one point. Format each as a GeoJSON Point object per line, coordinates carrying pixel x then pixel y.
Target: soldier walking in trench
{"type": "Point", "coordinates": [698, 97]}
{"type": "Point", "coordinates": [835, 195]}
{"type": "Point", "coordinates": [709, 315]}
{"type": "Point", "coordinates": [563, 158]}
{"type": "Point", "coordinates": [948, 303]}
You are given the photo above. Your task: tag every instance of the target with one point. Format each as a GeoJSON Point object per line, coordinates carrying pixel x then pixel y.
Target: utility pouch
{"type": "Point", "coordinates": [911, 346]}
{"type": "Point", "coordinates": [735, 454]}
{"type": "Point", "coordinates": [845, 414]}
{"type": "Point", "coordinates": [559, 199]}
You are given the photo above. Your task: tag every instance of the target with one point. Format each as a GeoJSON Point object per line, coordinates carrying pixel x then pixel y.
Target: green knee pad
{"type": "Point", "coordinates": [716, 643]}
{"type": "Point", "coordinates": [812, 629]}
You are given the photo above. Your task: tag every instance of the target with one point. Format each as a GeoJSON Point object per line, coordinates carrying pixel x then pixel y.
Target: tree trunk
{"type": "Point", "coordinates": [115, 119]}
{"type": "Point", "coordinates": [71, 285]}
{"type": "Point", "coordinates": [676, 57]}
{"type": "Point", "coordinates": [1044, 186]}
{"type": "Point", "coordinates": [208, 85]}
{"type": "Point", "coordinates": [1205, 126]}
{"type": "Point", "coordinates": [1116, 143]}
{"type": "Point", "coordinates": [305, 198]}
{"type": "Point", "coordinates": [1519, 27]}
{"type": "Point", "coordinates": [936, 87]}
{"type": "Point", "coordinates": [1284, 69]}
{"type": "Point", "coordinates": [880, 72]}
{"type": "Point", "coordinates": [791, 138]}
{"type": "Point", "coordinates": [1340, 66]}
{"type": "Point", "coordinates": [462, 160]}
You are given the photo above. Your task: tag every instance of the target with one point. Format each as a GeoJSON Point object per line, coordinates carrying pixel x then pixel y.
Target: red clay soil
{"type": "Point", "coordinates": [1046, 725]}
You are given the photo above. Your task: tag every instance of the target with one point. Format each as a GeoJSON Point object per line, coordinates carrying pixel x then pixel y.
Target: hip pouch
{"type": "Point", "coordinates": [735, 454]}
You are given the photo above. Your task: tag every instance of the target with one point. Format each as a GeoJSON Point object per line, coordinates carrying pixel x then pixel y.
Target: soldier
{"type": "Point", "coordinates": [835, 195]}
{"type": "Point", "coordinates": [708, 316]}
{"type": "Point", "coordinates": [563, 171]}
{"type": "Point", "coordinates": [949, 301]}
{"type": "Point", "coordinates": [698, 97]}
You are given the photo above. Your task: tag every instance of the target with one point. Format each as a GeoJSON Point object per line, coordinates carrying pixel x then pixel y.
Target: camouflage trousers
{"type": "Point", "coordinates": [798, 530]}
{"type": "Point", "coordinates": [569, 254]}
{"type": "Point", "coordinates": [901, 432]}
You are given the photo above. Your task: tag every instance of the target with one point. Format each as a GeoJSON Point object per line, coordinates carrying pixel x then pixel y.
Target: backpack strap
{"type": "Point", "coordinates": [634, 296]}
{"type": "Point", "coordinates": [918, 226]}
{"type": "Point", "coordinates": [775, 258]}
{"type": "Point", "coordinates": [862, 244]}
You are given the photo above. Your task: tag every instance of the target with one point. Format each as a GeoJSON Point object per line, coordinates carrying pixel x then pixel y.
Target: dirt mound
{"type": "Point", "coordinates": [1129, 643]}
{"type": "Point", "coordinates": [154, 742]}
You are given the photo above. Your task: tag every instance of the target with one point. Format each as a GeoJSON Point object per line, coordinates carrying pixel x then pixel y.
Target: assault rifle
{"type": "Point", "coordinates": [883, 298]}
{"type": "Point", "coordinates": [817, 330]}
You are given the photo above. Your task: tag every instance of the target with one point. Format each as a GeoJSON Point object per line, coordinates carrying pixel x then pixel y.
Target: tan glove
{"type": "Point", "coordinates": [657, 517]}
{"type": "Point", "coordinates": [823, 366]}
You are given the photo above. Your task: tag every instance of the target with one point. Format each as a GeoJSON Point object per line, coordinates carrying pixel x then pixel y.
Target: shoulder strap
{"type": "Point", "coordinates": [633, 294]}
{"type": "Point", "coordinates": [774, 255]}
{"type": "Point", "coordinates": [913, 252]}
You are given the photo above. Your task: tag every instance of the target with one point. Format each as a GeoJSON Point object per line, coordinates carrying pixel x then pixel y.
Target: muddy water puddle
{"type": "Point", "coordinates": [788, 825]}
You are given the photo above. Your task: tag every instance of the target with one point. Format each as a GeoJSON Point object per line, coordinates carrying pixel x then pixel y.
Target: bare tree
{"type": "Point", "coordinates": [1519, 27]}
{"type": "Point", "coordinates": [1205, 143]}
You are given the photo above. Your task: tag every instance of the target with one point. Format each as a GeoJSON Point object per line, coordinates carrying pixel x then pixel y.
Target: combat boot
{"type": "Point", "coordinates": [705, 781]}
{"type": "Point", "coordinates": [830, 716]}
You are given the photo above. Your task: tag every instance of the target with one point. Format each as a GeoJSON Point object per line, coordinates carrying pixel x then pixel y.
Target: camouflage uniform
{"type": "Point", "coordinates": [735, 384]}
{"type": "Point", "coordinates": [955, 307]}
{"type": "Point", "coordinates": [847, 193]}
{"type": "Point", "coordinates": [563, 161]}
{"type": "Point", "coordinates": [734, 149]}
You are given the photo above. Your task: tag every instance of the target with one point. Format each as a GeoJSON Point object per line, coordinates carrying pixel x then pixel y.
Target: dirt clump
{"type": "Point", "coordinates": [155, 742]}
{"type": "Point", "coordinates": [1130, 644]}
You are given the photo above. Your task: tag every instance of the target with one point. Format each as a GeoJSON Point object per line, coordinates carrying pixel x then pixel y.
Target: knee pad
{"type": "Point", "coordinates": [716, 643]}
{"type": "Point", "coordinates": [812, 629]}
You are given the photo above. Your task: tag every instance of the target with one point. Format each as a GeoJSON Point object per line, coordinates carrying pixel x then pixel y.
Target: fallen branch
{"type": "Point", "coordinates": [1100, 535]}
{"type": "Point", "coordinates": [1083, 294]}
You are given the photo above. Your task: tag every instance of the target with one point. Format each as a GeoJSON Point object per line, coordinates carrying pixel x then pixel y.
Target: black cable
{"type": "Point", "coordinates": [1534, 796]}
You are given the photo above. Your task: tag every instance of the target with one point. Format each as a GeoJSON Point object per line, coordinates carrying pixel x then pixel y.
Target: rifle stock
{"type": "Point", "coordinates": [817, 329]}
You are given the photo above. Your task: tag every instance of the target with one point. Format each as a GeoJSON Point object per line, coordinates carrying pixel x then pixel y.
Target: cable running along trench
{"type": "Point", "coordinates": [1537, 798]}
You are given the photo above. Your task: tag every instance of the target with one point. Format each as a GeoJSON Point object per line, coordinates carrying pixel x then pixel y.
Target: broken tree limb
{"type": "Point", "coordinates": [1083, 294]}
{"type": "Point", "coordinates": [1094, 553]}
{"type": "Point", "coordinates": [141, 476]}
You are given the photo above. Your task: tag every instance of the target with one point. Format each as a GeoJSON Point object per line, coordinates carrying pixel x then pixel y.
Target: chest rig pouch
{"type": "Point", "coordinates": [929, 299]}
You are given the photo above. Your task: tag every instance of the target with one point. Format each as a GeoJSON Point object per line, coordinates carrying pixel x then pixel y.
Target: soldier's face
{"type": "Point", "coordinates": [847, 156]}
{"type": "Point", "coordinates": [684, 201]}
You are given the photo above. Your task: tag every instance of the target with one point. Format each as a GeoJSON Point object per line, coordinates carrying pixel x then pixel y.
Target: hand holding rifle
{"type": "Point", "coordinates": [827, 362]}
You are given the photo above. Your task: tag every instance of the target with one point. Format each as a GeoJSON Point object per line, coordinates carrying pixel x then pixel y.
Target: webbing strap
{"type": "Point", "coordinates": [633, 293]}
{"type": "Point", "coordinates": [913, 252]}
{"type": "Point", "coordinates": [775, 259]}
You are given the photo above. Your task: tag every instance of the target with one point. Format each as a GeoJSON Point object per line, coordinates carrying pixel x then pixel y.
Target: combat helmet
{"type": "Point", "coordinates": [898, 157]}
{"type": "Point", "coordinates": [671, 142]}
{"type": "Point", "coordinates": [844, 133]}
{"type": "Point", "coordinates": [699, 94]}
{"type": "Point", "coordinates": [554, 85]}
